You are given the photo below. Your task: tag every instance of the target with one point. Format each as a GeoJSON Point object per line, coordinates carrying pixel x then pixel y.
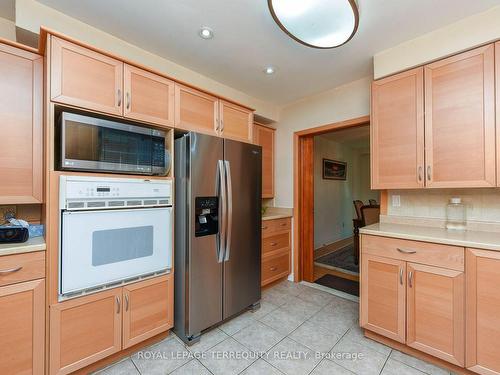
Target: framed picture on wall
{"type": "Point", "coordinates": [334, 170]}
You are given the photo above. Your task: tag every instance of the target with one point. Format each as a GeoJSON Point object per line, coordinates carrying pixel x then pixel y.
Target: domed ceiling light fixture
{"type": "Point", "coordinates": [320, 24]}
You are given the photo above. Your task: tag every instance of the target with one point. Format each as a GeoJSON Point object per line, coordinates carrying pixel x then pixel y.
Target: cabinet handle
{"type": "Point", "coordinates": [126, 302]}
{"type": "Point", "coordinates": [428, 172]}
{"type": "Point", "coordinates": [119, 98]}
{"type": "Point", "coordinates": [283, 224]}
{"type": "Point", "coordinates": [406, 251]}
{"type": "Point", "coordinates": [401, 276]}
{"type": "Point", "coordinates": [410, 279]}
{"type": "Point", "coordinates": [217, 124]}
{"type": "Point", "coordinates": [221, 126]}
{"type": "Point", "coordinates": [420, 173]}
{"type": "Point", "coordinates": [128, 96]}
{"type": "Point", "coordinates": [118, 304]}
{"type": "Point", "coordinates": [273, 268]}
{"type": "Point", "coordinates": [264, 227]}
{"type": "Point", "coordinates": [274, 243]}
{"type": "Point", "coordinates": [11, 270]}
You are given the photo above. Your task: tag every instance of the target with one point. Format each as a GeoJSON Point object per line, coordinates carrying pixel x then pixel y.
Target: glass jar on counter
{"type": "Point", "coordinates": [456, 215]}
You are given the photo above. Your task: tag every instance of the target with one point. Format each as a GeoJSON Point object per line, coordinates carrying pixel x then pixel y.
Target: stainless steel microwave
{"type": "Point", "coordinates": [97, 145]}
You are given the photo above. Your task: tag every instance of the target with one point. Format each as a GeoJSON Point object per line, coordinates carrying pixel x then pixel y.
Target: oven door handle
{"type": "Point", "coordinates": [221, 188]}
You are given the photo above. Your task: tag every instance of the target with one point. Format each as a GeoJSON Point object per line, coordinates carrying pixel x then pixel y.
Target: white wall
{"type": "Point", "coordinates": [461, 35]}
{"type": "Point", "coordinates": [343, 103]}
{"type": "Point", "coordinates": [7, 29]}
{"type": "Point", "coordinates": [30, 15]}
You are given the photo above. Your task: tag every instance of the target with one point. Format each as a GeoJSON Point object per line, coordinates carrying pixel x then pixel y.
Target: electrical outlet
{"type": "Point", "coordinates": [396, 201]}
{"type": "Point", "coordinates": [6, 209]}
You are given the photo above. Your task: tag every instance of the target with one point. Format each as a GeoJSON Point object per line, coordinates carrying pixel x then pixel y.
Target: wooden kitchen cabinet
{"type": "Point", "coordinates": [264, 137]}
{"type": "Point", "coordinates": [460, 120]}
{"type": "Point", "coordinates": [21, 151]}
{"type": "Point", "coordinates": [84, 78]}
{"type": "Point", "coordinates": [436, 312]}
{"type": "Point", "coordinates": [383, 296]}
{"type": "Point", "coordinates": [22, 327]}
{"type": "Point", "coordinates": [235, 121]}
{"type": "Point", "coordinates": [148, 97]}
{"type": "Point", "coordinates": [196, 111]}
{"type": "Point", "coordinates": [148, 309]}
{"type": "Point", "coordinates": [482, 311]}
{"type": "Point", "coordinates": [276, 250]}
{"type": "Point", "coordinates": [85, 330]}
{"type": "Point", "coordinates": [397, 131]}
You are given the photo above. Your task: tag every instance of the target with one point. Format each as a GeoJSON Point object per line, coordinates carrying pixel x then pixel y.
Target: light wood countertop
{"type": "Point", "coordinates": [33, 244]}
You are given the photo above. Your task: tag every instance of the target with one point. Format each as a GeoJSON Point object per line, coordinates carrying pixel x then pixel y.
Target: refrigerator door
{"type": "Point", "coordinates": [243, 239]}
{"type": "Point", "coordinates": [202, 263]}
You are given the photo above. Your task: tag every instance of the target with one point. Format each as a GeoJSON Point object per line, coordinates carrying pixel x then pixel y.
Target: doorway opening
{"type": "Point", "coordinates": [331, 173]}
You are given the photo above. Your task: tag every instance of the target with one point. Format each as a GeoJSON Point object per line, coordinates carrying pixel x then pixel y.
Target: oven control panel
{"type": "Point", "coordinates": [80, 192]}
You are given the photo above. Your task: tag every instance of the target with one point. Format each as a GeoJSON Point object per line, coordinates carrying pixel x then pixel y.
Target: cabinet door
{"type": "Point", "coordinates": [22, 327]}
{"type": "Point", "coordinates": [148, 309]}
{"type": "Point", "coordinates": [460, 120]}
{"type": "Point", "coordinates": [196, 111]}
{"type": "Point", "coordinates": [383, 296]}
{"type": "Point", "coordinates": [21, 126]}
{"type": "Point", "coordinates": [84, 330]}
{"type": "Point", "coordinates": [264, 137]}
{"type": "Point", "coordinates": [236, 122]}
{"type": "Point", "coordinates": [397, 131]}
{"type": "Point", "coordinates": [482, 311]}
{"type": "Point", "coordinates": [148, 97]}
{"type": "Point", "coordinates": [85, 78]}
{"type": "Point", "coordinates": [435, 312]}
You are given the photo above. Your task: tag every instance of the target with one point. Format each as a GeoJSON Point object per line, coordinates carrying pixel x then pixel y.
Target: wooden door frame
{"type": "Point", "coordinates": [303, 195]}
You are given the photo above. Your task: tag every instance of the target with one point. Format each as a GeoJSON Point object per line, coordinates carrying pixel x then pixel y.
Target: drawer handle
{"type": "Point", "coordinates": [273, 268]}
{"type": "Point", "coordinates": [406, 251]}
{"type": "Point", "coordinates": [274, 243]}
{"type": "Point", "coordinates": [11, 270]}
{"type": "Point", "coordinates": [283, 224]}
{"type": "Point", "coordinates": [264, 227]}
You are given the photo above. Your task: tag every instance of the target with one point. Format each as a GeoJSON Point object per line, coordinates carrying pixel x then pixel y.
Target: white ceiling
{"type": "Point", "coordinates": [247, 38]}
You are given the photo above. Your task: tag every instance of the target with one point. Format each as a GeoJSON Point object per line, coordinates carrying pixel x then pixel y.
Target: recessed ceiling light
{"type": "Point", "coordinates": [206, 33]}
{"type": "Point", "coordinates": [316, 23]}
{"type": "Point", "coordinates": [270, 70]}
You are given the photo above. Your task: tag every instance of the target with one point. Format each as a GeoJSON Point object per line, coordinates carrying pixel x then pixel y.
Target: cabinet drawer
{"type": "Point", "coordinates": [275, 267]}
{"type": "Point", "coordinates": [277, 225]}
{"type": "Point", "coordinates": [276, 242]}
{"type": "Point", "coordinates": [445, 256]}
{"type": "Point", "coordinates": [22, 267]}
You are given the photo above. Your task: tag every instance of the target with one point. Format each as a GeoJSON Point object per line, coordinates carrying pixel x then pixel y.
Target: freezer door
{"type": "Point", "coordinates": [243, 250]}
{"type": "Point", "coordinates": [204, 287]}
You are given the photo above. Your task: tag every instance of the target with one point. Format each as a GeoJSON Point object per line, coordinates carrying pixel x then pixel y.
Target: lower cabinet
{"type": "Point", "coordinates": [88, 329]}
{"type": "Point", "coordinates": [22, 328]}
{"type": "Point", "coordinates": [483, 311]}
{"type": "Point", "coordinates": [148, 309]}
{"type": "Point", "coordinates": [276, 250]}
{"type": "Point", "coordinates": [419, 305]}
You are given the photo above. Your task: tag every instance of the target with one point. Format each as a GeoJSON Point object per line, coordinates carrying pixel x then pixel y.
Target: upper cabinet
{"type": "Point", "coordinates": [460, 120]}
{"type": "Point", "coordinates": [435, 126]}
{"type": "Point", "coordinates": [85, 78]}
{"type": "Point", "coordinates": [397, 131]}
{"type": "Point", "coordinates": [148, 97]}
{"type": "Point", "coordinates": [21, 112]}
{"type": "Point", "coordinates": [264, 137]}
{"type": "Point", "coordinates": [196, 111]}
{"type": "Point", "coordinates": [235, 122]}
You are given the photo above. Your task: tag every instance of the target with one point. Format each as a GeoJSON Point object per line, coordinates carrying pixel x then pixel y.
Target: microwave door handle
{"type": "Point", "coordinates": [221, 192]}
{"type": "Point", "coordinates": [229, 210]}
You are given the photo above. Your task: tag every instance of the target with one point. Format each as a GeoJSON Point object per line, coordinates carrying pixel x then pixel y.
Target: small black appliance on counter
{"type": "Point", "coordinates": [13, 234]}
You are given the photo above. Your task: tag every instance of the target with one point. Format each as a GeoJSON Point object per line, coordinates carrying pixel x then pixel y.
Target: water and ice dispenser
{"type": "Point", "coordinates": [207, 220]}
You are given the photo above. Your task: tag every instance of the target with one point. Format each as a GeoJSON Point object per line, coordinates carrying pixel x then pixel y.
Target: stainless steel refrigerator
{"type": "Point", "coordinates": [217, 231]}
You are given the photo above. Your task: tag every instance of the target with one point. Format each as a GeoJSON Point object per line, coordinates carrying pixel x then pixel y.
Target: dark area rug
{"type": "Point", "coordinates": [338, 283]}
{"type": "Point", "coordinates": [343, 258]}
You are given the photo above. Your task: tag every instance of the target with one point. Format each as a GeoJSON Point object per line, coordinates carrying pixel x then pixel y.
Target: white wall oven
{"type": "Point", "coordinates": [113, 231]}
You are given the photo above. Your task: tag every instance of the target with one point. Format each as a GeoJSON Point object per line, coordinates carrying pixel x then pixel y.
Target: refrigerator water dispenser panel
{"type": "Point", "coordinates": [206, 216]}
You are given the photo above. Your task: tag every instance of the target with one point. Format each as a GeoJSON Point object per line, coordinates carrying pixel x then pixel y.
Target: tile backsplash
{"type": "Point", "coordinates": [482, 204]}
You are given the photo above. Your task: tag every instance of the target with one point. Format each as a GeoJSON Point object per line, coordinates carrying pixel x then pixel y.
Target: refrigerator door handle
{"type": "Point", "coordinates": [229, 210]}
{"type": "Point", "coordinates": [221, 191]}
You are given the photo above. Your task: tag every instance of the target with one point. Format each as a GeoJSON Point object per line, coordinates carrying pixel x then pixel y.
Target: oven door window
{"type": "Point", "coordinates": [117, 245]}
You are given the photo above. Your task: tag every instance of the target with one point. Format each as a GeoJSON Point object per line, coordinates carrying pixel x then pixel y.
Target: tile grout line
{"type": "Point", "coordinates": [385, 363]}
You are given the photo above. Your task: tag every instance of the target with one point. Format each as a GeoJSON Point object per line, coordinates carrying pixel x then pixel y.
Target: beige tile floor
{"type": "Point", "coordinates": [297, 330]}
